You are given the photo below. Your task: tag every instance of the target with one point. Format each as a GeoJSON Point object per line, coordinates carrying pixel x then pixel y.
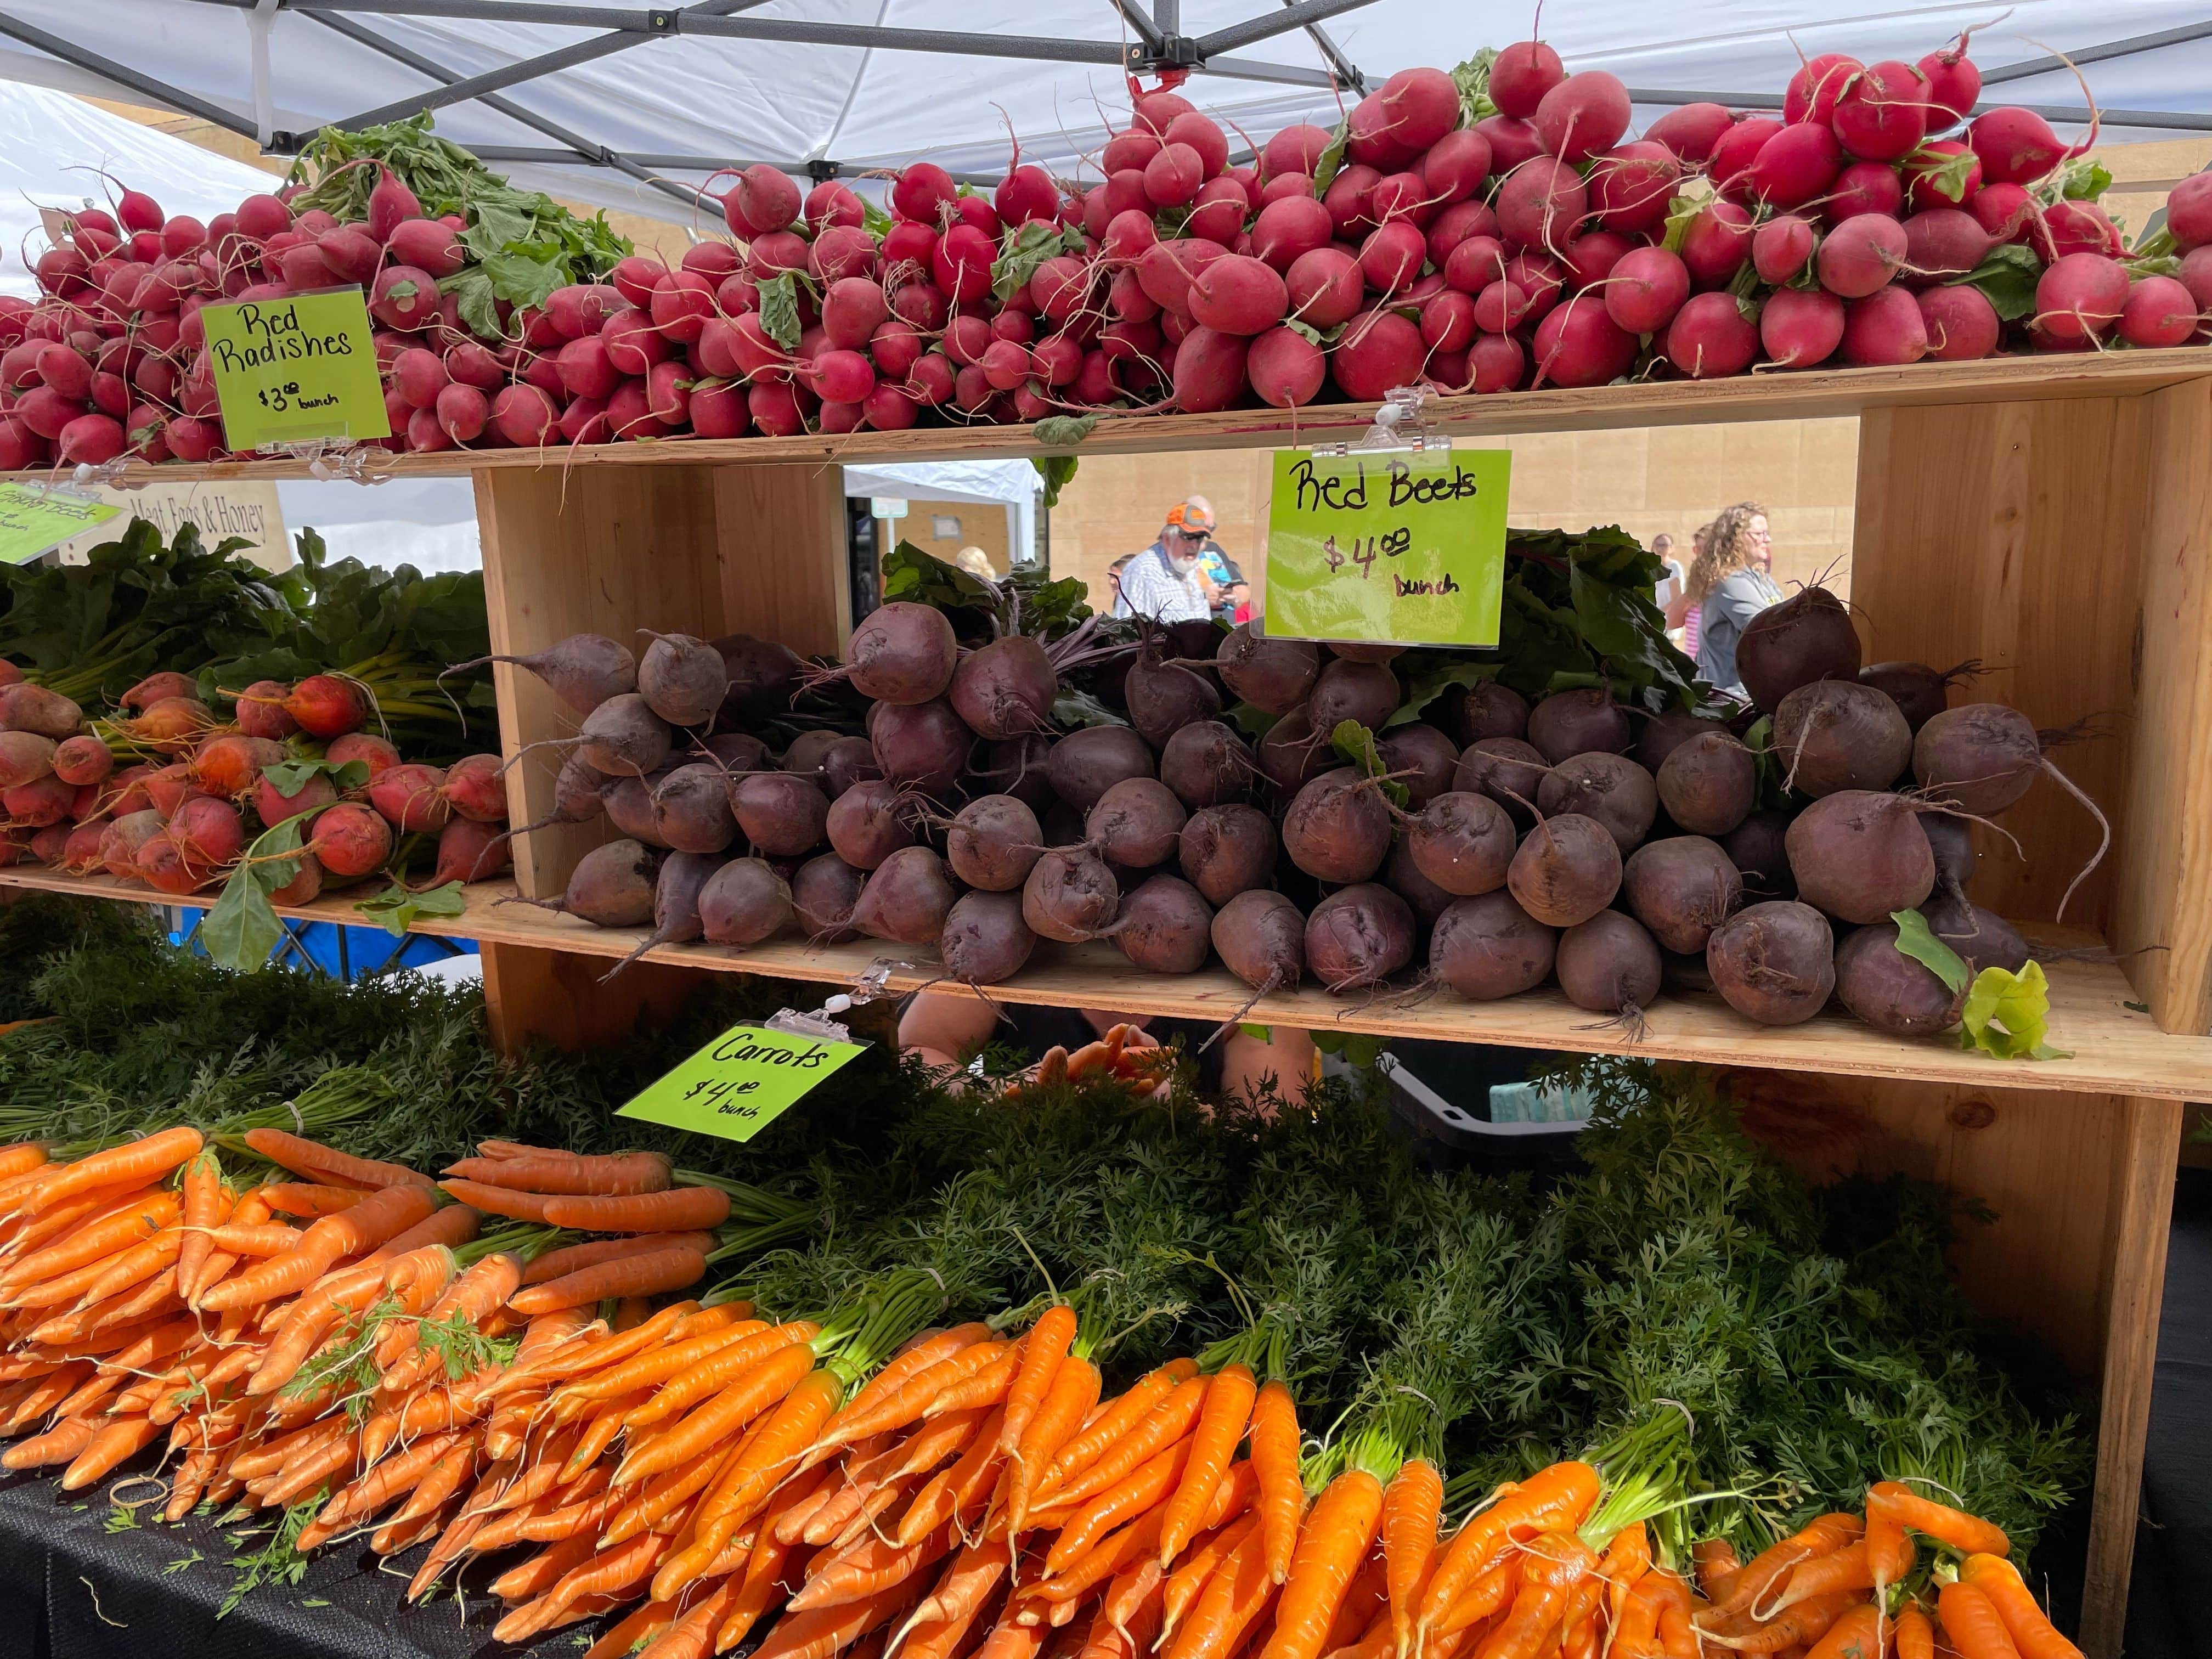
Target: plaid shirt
{"type": "Point", "coordinates": [1151, 586]}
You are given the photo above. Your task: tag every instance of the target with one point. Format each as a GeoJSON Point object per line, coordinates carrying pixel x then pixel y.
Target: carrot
{"type": "Point", "coordinates": [825, 1631]}
{"type": "Point", "coordinates": [554, 1264]}
{"type": "Point", "coordinates": [1330, 1549]}
{"type": "Point", "coordinates": [1857, 1635]}
{"type": "Point", "coordinates": [1189, 1579]}
{"type": "Point", "coordinates": [656, 1365]}
{"type": "Point", "coordinates": [1916, 1637]}
{"type": "Point", "coordinates": [1552, 1567]}
{"type": "Point", "coordinates": [1637, 1628]}
{"type": "Point", "coordinates": [692, 1636]}
{"type": "Point", "coordinates": [74, 1288]}
{"type": "Point", "coordinates": [380, 1484]}
{"type": "Point", "coordinates": [1411, 1507]}
{"type": "Point", "coordinates": [1969, 1619]}
{"type": "Point", "coordinates": [1232, 1599]}
{"type": "Point", "coordinates": [721, 1369]}
{"type": "Point", "coordinates": [908, 1396]}
{"type": "Point", "coordinates": [497, 1200]}
{"type": "Point", "coordinates": [1147, 1488]}
{"type": "Point", "coordinates": [675, 1210]}
{"type": "Point", "coordinates": [957, 1494]}
{"type": "Point", "coordinates": [135, 1264]}
{"type": "Point", "coordinates": [648, 1274]}
{"type": "Point", "coordinates": [1558, 1495]}
{"type": "Point", "coordinates": [145, 1159]}
{"type": "Point", "coordinates": [931, 1444]}
{"type": "Point", "coordinates": [306, 1199]}
{"type": "Point", "coordinates": [940, 1624]}
{"type": "Point", "coordinates": [605, 1573]}
{"type": "Point", "coordinates": [1041, 1352]}
{"type": "Point", "coordinates": [59, 1444]}
{"type": "Point", "coordinates": [1120, 1418]}
{"type": "Point", "coordinates": [550, 1171]}
{"type": "Point", "coordinates": [754, 1391]}
{"type": "Point", "coordinates": [404, 1357]}
{"type": "Point", "coordinates": [203, 1206]}
{"type": "Point", "coordinates": [869, 1567]}
{"type": "Point", "coordinates": [1221, 1421]}
{"type": "Point", "coordinates": [986, 1387]}
{"type": "Point", "coordinates": [1805, 1623]}
{"type": "Point", "coordinates": [1823, 1536]}
{"type": "Point", "coordinates": [22, 1158]}
{"type": "Point", "coordinates": [1275, 1457]}
{"type": "Point", "coordinates": [439, 1486]}
{"type": "Point", "coordinates": [763, 1588]}
{"type": "Point", "coordinates": [382, 1215]}
{"type": "Point", "coordinates": [1072, 1392]}
{"type": "Point", "coordinates": [635, 1631]}
{"type": "Point", "coordinates": [317, 1162]}
{"type": "Point", "coordinates": [125, 1223]}
{"type": "Point", "coordinates": [2031, 1630]}
{"type": "Point", "coordinates": [1717, 1566]}
{"type": "Point", "coordinates": [1079, 1571]}
{"type": "Point", "coordinates": [741, 1492]}
{"type": "Point", "coordinates": [1892, 1500]}
{"type": "Point", "coordinates": [267, 1239]}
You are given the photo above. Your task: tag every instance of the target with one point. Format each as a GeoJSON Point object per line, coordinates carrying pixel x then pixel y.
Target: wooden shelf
{"type": "Point", "coordinates": [1816, 394]}
{"type": "Point", "coordinates": [2116, 1048]}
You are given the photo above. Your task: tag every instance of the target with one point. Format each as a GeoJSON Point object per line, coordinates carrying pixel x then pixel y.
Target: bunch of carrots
{"type": "Point", "coordinates": [340, 1343]}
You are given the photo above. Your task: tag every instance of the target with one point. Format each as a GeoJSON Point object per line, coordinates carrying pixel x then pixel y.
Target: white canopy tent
{"type": "Point", "coordinates": [631, 106]}
{"type": "Point", "coordinates": [1012, 485]}
{"type": "Point", "coordinates": [53, 150]}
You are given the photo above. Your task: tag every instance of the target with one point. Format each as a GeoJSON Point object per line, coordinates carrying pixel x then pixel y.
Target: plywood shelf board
{"type": "Point", "coordinates": [2116, 1050]}
{"type": "Point", "coordinates": [1813, 394]}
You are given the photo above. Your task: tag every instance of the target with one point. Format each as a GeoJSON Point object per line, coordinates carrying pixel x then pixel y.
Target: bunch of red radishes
{"type": "Point", "coordinates": [1488, 231]}
{"type": "Point", "coordinates": [162, 790]}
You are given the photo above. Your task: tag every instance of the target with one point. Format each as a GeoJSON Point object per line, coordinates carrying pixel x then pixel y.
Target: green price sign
{"type": "Point", "coordinates": [1397, 547]}
{"type": "Point", "coordinates": [740, 1083]}
{"type": "Point", "coordinates": [33, 520]}
{"type": "Point", "coordinates": [292, 369]}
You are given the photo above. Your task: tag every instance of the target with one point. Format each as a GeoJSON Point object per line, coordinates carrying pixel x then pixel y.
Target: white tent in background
{"type": "Point", "coordinates": [673, 93]}
{"type": "Point", "coordinates": [1011, 485]}
{"type": "Point", "coordinates": [53, 150]}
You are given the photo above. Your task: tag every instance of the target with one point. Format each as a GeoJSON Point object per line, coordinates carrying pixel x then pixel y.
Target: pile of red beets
{"type": "Point", "coordinates": [1536, 246]}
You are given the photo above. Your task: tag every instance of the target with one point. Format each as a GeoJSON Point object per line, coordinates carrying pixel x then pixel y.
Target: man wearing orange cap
{"type": "Point", "coordinates": [1164, 581]}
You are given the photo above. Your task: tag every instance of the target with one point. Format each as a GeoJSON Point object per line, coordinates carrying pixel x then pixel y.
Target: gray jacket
{"type": "Point", "coordinates": [1727, 612]}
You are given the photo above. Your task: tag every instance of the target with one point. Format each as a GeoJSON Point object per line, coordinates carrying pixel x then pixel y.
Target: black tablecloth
{"type": "Point", "coordinates": [2172, 1579]}
{"type": "Point", "coordinates": [70, 1589]}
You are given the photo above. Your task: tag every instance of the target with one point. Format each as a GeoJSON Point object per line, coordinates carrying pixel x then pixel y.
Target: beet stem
{"type": "Point", "coordinates": [2103, 839]}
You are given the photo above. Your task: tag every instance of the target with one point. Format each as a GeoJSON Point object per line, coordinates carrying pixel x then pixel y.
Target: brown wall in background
{"type": "Point", "coordinates": [1647, 481]}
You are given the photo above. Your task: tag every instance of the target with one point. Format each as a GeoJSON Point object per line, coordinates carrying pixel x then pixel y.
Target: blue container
{"type": "Point", "coordinates": [342, 953]}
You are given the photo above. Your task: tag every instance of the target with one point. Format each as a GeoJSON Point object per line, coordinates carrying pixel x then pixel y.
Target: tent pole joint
{"type": "Point", "coordinates": [821, 171]}
{"type": "Point", "coordinates": [1174, 51]}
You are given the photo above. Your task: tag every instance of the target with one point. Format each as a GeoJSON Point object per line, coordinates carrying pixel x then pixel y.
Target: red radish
{"type": "Point", "coordinates": [764, 200]}
{"type": "Point", "coordinates": [429, 245]}
{"type": "Point", "coordinates": [1882, 114]}
{"type": "Point", "coordinates": [1782, 247]}
{"type": "Point", "coordinates": [1646, 288]}
{"type": "Point", "coordinates": [1710, 336]}
{"type": "Point", "coordinates": [1390, 259]}
{"type": "Point", "coordinates": [1690, 131]}
{"type": "Point", "coordinates": [524, 416]}
{"type": "Point", "coordinates": [1293, 150]}
{"type": "Point", "coordinates": [2189, 211]}
{"type": "Point", "coordinates": [2159, 312]}
{"type": "Point", "coordinates": [2009, 213]}
{"type": "Point", "coordinates": [1522, 74]}
{"type": "Point", "coordinates": [1942, 172]}
{"type": "Point", "coordinates": [1800, 328]}
{"type": "Point", "coordinates": [1406, 114]}
{"type": "Point", "coordinates": [1796, 165]}
{"type": "Point", "coordinates": [1632, 185]}
{"type": "Point", "coordinates": [2081, 298]}
{"type": "Point", "coordinates": [1584, 114]}
{"type": "Point", "coordinates": [404, 297]}
{"type": "Point", "coordinates": [2015, 146]}
{"type": "Point", "coordinates": [1953, 85]}
{"type": "Point", "coordinates": [2063, 228]}
{"type": "Point", "coordinates": [1286, 369]}
{"type": "Point", "coordinates": [1860, 255]}
{"type": "Point", "coordinates": [1885, 328]}
{"type": "Point", "coordinates": [1240, 295]}
{"type": "Point", "coordinates": [1717, 243]}
{"type": "Point", "coordinates": [1941, 244]}
{"type": "Point", "coordinates": [1578, 344]}
{"type": "Point", "coordinates": [1456, 165]}
{"type": "Point", "coordinates": [1729, 166]}
{"type": "Point", "coordinates": [1209, 370]}
{"type": "Point", "coordinates": [1540, 204]}
{"type": "Point", "coordinates": [1961, 324]}
{"type": "Point", "coordinates": [1511, 141]}
{"type": "Point", "coordinates": [1325, 287]}
{"type": "Point", "coordinates": [1817, 84]}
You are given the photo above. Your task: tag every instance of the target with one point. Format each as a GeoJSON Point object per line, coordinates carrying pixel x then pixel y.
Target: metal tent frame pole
{"type": "Point", "coordinates": [1157, 44]}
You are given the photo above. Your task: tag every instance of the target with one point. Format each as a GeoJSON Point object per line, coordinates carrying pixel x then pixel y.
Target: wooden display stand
{"type": "Point", "coordinates": [2049, 516]}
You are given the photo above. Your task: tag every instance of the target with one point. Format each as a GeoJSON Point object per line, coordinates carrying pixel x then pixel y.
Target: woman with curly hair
{"type": "Point", "coordinates": [1729, 585]}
